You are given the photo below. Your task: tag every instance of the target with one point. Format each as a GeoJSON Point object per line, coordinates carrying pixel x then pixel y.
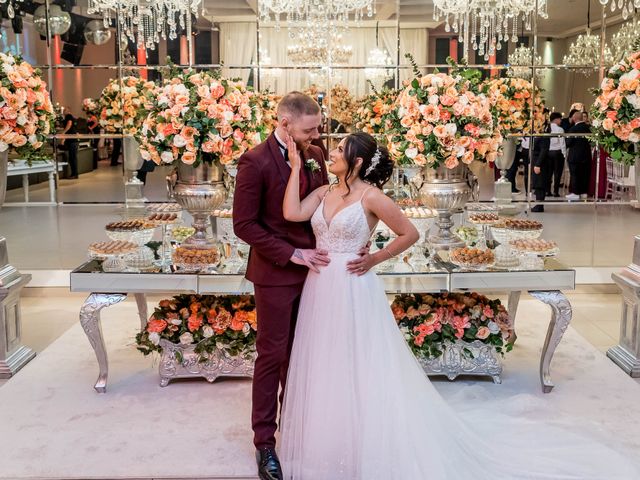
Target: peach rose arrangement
{"type": "Point", "coordinates": [200, 116]}
{"type": "Point", "coordinates": [374, 112]}
{"type": "Point", "coordinates": [443, 119]}
{"type": "Point", "coordinates": [268, 103]}
{"type": "Point", "coordinates": [210, 322]}
{"type": "Point", "coordinates": [26, 112]}
{"type": "Point", "coordinates": [90, 106]}
{"type": "Point", "coordinates": [427, 321]}
{"type": "Point", "coordinates": [123, 106]}
{"type": "Point", "coordinates": [512, 106]}
{"type": "Point", "coordinates": [616, 110]}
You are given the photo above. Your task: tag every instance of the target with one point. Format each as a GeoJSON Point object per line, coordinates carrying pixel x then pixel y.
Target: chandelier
{"type": "Point", "coordinates": [487, 23]}
{"type": "Point", "coordinates": [317, 47]}
{"type": "Point", "coordinates": [265, 61]}
{"type": "Point", "coordinates": [378, 57]}
{"type": "Point", "coordinates": [624, 39]}
{"type": "Point", "coordinates": [585, 51]}
{"type": "Point", "coordinates": [520, 63]}
{"type": "Point", "coordinates": [334, 14]}
{"type": "Point", "coordinates": [627, 6]}
{"type": "Point", "coordinates": [144, 22]}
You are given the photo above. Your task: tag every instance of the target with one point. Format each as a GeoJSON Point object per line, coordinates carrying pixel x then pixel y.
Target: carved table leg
{"type": "Point", "coordinates": [90, 321]}
{"type": "Point", "coordinates": [514, 300]}
{"type": "Point", "coordinates": [141, 300]}
{"type": "Point", "coordinates": [560, 318]}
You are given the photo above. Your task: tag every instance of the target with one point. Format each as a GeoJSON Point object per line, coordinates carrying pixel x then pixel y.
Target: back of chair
{"type": "Point", "coordinates": [610, 170]}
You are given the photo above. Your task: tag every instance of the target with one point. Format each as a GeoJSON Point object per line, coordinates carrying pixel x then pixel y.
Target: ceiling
{"type": "Point", "coordinates": [566, 17]}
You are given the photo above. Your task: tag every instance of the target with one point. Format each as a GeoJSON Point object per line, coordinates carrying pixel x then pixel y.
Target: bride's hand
{"type": "Point", "coordinates": [292, 153]}
{"type": "Point", "coordinates": [362, 265]}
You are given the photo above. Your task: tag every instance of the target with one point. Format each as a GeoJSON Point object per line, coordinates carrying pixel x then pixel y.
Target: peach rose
{"type": "Point", "coordinates": [194, 322]}
{"type": "Point", "coordinates": [451, 162]}
{"type": "Point", "coordinates": [188, 158]}
{"type": "Point", "coordinates": [156, 325]}
{"type": "Point", "coordinates": [238, 321]}
{"type": "Point", "coordinates": [483, 332]}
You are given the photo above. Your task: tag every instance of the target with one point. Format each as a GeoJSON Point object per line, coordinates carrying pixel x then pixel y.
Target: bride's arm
{"type": "Point", "coordinates": [406, 233]}
{"type": "Point", "coordinates": [292, 208]}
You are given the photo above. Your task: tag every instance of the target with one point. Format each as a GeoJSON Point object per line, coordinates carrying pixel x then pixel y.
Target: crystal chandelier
{"type": "Point", "coordinates": [520, 63]}
{"type": "Point", "coordinates": [624, 39]}
{"type": "Point", "coordinates": [627, 6]}
{"type": "Point", "coordinates": [318, 47]}
{"type": "Point", "coordinates": [265, 61]}
{"type": "Point", "coordinates": [378, 57]}
{"type": "Point", "coordinates": [585, 51]}
{"type": "Point", "coordinates": [334, 14]}
{"type": "Point", "coordinates": [144, 22]}
{"type": "Point", "coordinates": [487, 23]}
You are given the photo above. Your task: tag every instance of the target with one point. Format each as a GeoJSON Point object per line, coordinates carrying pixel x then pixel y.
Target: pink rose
{"type": "Point", "coordinates": [451, 162]}
{"type": "Point", "coordinates": [483, 332]}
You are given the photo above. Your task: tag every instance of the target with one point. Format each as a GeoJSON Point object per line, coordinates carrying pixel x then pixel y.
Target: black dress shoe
{"type": "Point", "coordinates": [268, 464]}
{"type": "Point", "coordinates": [538, 209]}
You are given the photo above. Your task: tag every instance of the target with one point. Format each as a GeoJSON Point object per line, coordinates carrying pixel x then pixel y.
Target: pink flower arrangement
{"type": "Point", "coordinates": [372, 112]}
{"type": "Point", "coordinates": [511, 105]}
{"type": "Point", "coordinates": [443, 119]}
{"type": "Point", "coordinates": [123, 106]}
{"type": "Point", "coordinates": [26, 112]}
{"type": "Point", "coordinates": [90, 106]}
{"type": "Point", "coordinates": [427, 321]}
{"type": "Point", "coordinates": [616, 110]}
{"type": "Point", "coordinates": [212, 322]}
{"type": "Point", "coordinates": [269, 108]}
{"type": "Point", "coordinates": [198, 116]}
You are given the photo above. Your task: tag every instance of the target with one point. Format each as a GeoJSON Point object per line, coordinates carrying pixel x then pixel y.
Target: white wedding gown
{"type": "Point", "coordinates": [358, 406]}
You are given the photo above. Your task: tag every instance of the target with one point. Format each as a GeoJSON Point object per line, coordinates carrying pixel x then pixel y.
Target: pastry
{"type": "Point", "coordinates": [472, 256]}
{"type": "Point", "coordinates": [533, 245]}
{"type": "Point", "coordinates": [165, 217]}
{"type": "Point", "coordinates": [196, 256]}
{"type": "Point", "coordinates": [164, 207]}
{"type": "Point", "coordinates": [129, 226]}
{"type": "Point", "coordinates": [114, 247]}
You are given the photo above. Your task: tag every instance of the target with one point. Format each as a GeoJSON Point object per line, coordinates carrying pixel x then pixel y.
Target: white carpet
{"type": "Point", "coordinates": [54, 425]}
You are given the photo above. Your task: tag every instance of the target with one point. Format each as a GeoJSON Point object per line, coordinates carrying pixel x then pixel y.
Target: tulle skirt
{"type": "Point", "coordinates": [358, 406]}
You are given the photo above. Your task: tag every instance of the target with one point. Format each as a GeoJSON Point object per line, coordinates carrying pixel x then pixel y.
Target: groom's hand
{"type": "Point", "coordinates": [311, 258]}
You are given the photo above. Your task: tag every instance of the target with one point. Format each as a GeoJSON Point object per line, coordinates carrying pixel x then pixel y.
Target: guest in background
{"type": "Point", "coordinates": [93, 127]}
{"type": "Point", "coordinates": [541, 171]}
{"type": "Point", "coordinates": [71, 144]}
{"type": "Point", "coordinates": [557, 154]}
{"type": "Point", "coordinates": [522, 158]}
{"type": "Point", "coordinates": [115, 153]}
{"type": "Point", "coordinates": [585, 118]}
{"type": "Point", "coordinates": [567, 123]}
{"type": "Point", "coordinates": [579, 158]}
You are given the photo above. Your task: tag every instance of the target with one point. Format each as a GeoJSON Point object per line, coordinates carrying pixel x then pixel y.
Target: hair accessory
{"type": "Point", "coordinates": [375, 160]}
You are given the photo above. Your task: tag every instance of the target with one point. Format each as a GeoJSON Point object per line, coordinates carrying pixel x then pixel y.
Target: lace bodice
{"type": "Point", "coordinates": [348, 231]}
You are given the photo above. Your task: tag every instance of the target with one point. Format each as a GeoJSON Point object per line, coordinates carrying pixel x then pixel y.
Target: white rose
{"type": "Point", "coordinates": [411, 152]}
{"type": "Point", "coordinates": [186, 338]}
{"type": "Point", "coordinates": [228, 115]}
{"type": "Point", "coordinates": [246, 329]}
{"type": "Point", "coordinates": [179, 141]}
{"type": "Point", "coordinates": [3, 146]}
{"type": "Point", "coordinates": [163, 100]}
{"type": "Point", "coordinates": [21, 120]}
{"type": "Point", "coordinates": [207, 331]}
{"type": "Point", "coordinates": [33, 139]}
{"type": "Point", "coordinates": [493, 327]}
{"type": "Point", "coordinates": [634, 137]}
{"type": "Point", "coordinates": [159, 137]}
{"type": "Point", "coordinates": [450, 129]}
{"type": "Point", "coordinates": [434, 99]}
{"type": "Point", "coordinates": [437, 81]}
{"type": "Point", "coordinates": [460, 151]}
{"type": "Point", "coordinates": [632, 75]}
{"type": "Point", "coordinates": [154, 337]}
{"type": "Point", "coordinates": [7, 68]}
{"type": "Point", "coordinates": [167, 157]}
{"type": "Point", "coordinates": [176, 321]}
{"type": "Point", "coordinates": [463, 100]}
{"type": "Point", "coordinates": [634, 100]}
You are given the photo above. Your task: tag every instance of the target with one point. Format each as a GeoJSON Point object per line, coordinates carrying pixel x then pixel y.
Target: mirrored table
{"type": "Point", "coordinates": [546, 284]}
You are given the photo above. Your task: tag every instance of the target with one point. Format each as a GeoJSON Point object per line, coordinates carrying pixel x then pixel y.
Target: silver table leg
{"type": "Point", "coordinates": [514, 300]}
{"type": "Point", "coordinates": [141, 300]}
{"type": "Point", "coordinates": [560, 318]}
{"type": "Point", "coordinates": [90, 321]}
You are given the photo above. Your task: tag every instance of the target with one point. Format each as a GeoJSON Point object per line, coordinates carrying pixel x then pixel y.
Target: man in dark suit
{"type": "Point", "coordinates": [281, 254]}
{"type": "Point", "coordinates": [579, 158]}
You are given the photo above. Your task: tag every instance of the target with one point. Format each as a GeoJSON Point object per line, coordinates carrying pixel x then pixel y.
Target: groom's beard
{"type": "Point", "coordinates": [303, 146]}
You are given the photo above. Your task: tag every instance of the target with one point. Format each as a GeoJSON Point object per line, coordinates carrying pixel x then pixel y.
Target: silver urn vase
{"type": "Point", "coordinates": [445, 191]}
{"type": "Point", "coordinates": [482, 359]}
{"type": "Point", "coordinates": [199, 190]}
{"type": "Point", "coordinates": [503, 163]}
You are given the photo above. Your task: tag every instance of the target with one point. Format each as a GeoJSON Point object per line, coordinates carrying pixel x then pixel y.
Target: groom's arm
{"type": "Point", "coordinates": [246, 208]}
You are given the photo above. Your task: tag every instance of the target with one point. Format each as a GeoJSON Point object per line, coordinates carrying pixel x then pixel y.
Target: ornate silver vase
{"type": "Point", "coordinates": [181, 361]}
{"type": "Point", "coordinates": [445, 190]}
{"type": "Point", "coordinates": [454, 361]}
{"type": "Point", "coordinates": [504, 162]}
{"type": "Point", "coordinates": [199, 190]}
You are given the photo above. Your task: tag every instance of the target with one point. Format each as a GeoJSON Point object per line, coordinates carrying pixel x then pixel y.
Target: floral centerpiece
{"type": "Point", "coordinates": [429, 321]}
{"type": "Point", "coordinates": [123, 106]}
{"type": "Point", "coordinates": [90, 107]}
{"type": "Point", "coordinates": [207, 322]}
{"type": "Point", "coordinates": [343, 105]}
{"type": "Point", "coordinates": [200, 116]}
{"type": "Point", "coordinates": [268, 103]}
{"type": "Point", "coordinates": [512, 106]}
{"type": "Point", "coordinates": [26, 112]}
{"type": "Point", "coordinates": [372, 111]}
{"type": "Point", "coordinates": [443, 119]}
{"type": "Point", "coordinates": [616, 110]}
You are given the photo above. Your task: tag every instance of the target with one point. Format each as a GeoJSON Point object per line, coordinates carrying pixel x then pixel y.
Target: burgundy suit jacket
{"type": "Point", "coordinates": [261, 182]}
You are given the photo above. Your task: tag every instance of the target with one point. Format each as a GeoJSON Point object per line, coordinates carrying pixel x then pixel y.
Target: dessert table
{"type": "Point", "coordinates": [546, 284]}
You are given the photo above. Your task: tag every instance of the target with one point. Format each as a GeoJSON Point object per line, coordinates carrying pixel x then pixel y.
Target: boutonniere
{"type": "Point", "coordinates": [312, 165]}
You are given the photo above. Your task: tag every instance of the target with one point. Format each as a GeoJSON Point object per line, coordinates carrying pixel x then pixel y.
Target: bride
{"type": "Point", "coordinates": [357, 404]}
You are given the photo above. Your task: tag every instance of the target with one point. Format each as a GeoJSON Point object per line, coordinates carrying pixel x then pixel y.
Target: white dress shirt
{"type": "Point", "coordinates": [280, 144]}
{"type": "Point", "coordinates": [558, 143]}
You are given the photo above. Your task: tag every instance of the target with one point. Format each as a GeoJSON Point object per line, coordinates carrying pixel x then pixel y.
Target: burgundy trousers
{"type": "Point", "coordinates": [277, 309]}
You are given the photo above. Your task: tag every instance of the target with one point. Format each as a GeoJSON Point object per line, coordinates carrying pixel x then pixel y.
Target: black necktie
{"type": "Point", "coordinates": [286, 150]}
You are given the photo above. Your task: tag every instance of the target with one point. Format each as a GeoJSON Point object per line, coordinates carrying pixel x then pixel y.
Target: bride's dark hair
{"type": "Point", "coordinates": [377, 166]}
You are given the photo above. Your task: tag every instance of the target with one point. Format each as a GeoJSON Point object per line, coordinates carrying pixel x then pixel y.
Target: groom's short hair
{"type": "Point", "coordinates": [297, 104]}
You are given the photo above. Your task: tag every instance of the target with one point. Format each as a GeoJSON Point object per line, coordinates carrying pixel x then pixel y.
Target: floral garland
{"type": "Point", "coordinates": [443, 119]}
{"type": "Point", "coordinates": [511, 105]}
{"type": "Point", "coordinates": [123, 111]}
{"type": "Point", "coordinates": [211, 322]}
{"type": "Point", "coordinates": [371, 114]}
{"type": "Point", "coordinates": [26, 112]}
{"type": "Point", "coordinates": [616, 110]}
{"type": "Point", "coordinates": [429, 320]}
{"type": "Point", "coordinates": [199, 116]}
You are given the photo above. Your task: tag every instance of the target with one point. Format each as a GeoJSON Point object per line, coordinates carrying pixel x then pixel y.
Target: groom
{"type": "Point", "coordinates": [281, 255]}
